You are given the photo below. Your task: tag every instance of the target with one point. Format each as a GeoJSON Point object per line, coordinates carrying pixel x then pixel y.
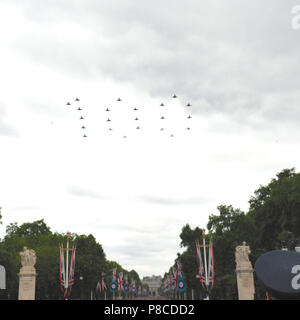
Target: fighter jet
{"type": "Point", "coordinates": [76, 99]}
{"type": "Point", "coordinates": [81, 118]}
{"type": "Point", "coordinates": [107, 109]}
{"type": "Point", "coordinates": [137, 127]}
{"type": "Point", "coordinates": [162, 117]}
{"type": "Point", "coordinates": [110, 129]}
{"type": "Point", "coordinates": [189, 117]}
{"type": "Point", "coordinates": [79, 109]}
{"type": "Point", "coordinates": [161, 104]}
{"type": "Point", "coordinates": [188, 105]}
{"type": "Point", "coordinates": [108, 120]}
{"type": "Point", "coordinates": [135, 109]}
{"type": "Point", "coordinates": [174, 96]}
{"type": "Point", "coordinates": [119, 99]}
{"type": "Point", "coordinates": [84, 136]}
{"type": "Point", "coordinates": [188, 128]}
{"type": "Point", "coordinates": [83, 127]}
{"type": "Point", "coordinates": [68, 103]}
{"type": "Point", "coordinates": [136, 119]}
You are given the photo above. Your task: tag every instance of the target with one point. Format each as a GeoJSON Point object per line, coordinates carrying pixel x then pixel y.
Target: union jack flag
{"type": "Point", "coordinates": [211, 267]}
{"type": "Point", "coordinates": [101, 286]}
{"type": "Point", "coordinates": [72, 269]}
{"type": "Point", "coordinates": [174, 278]}
{"type": "Point", "coordinates": [61, 269]}
{"type": "Point", "coordinates": [201, 269]}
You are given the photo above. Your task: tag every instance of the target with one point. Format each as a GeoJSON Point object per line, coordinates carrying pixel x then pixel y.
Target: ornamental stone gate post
{"type": "Point", "coordinates": [27, 275]}
{"type": "Point", "coordinates": [244, 273]}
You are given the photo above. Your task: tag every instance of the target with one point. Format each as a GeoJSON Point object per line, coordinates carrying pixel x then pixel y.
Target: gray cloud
{"type": "Point", "coordinates": [231, 56]}
{"type": "Point", "coordinates": [5, 128]}
{"type": "Point", "coordinates": [81, 192]}
{"type": "Point", "coordinates": [173, 201]}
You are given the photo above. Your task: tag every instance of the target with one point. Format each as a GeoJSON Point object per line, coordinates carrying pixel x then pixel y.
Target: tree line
{"type": "Point", "coordinates": [89, 264]}
{"type": "Point", "coordinates": [273, 218]}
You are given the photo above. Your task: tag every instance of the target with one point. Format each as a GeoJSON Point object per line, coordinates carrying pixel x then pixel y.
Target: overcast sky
{"type": "Point", "coordinates": [237, 64]}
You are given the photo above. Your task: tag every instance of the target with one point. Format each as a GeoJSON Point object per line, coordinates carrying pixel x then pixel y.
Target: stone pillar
{"type": "Point", "coordinates": [244, 273]}
{"type": "Point", "coordinates": [27, 275]}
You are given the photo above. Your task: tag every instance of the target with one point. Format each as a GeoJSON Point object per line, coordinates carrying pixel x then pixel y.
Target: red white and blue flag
{"type": "Point", "coordinates": [201, 269]}
{"type": "Point", "coordinates": [211, 267]}
{"type": "Point", "coordinates": [61, 269]}
{"type": "Point", "coordinates": [72, 269]}
{"type": "Point", "coordinates": [114, 285]}
{"type": "Point", "coordinates": [180, 281]}
{"type": "Point", "coordinates": [120, 282]}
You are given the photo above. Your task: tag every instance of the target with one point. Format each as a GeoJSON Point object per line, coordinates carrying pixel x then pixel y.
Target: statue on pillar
{"type": "Point", "coordinates": [244, 271]}
{"type": "Point", "coordinates": [28, 257]}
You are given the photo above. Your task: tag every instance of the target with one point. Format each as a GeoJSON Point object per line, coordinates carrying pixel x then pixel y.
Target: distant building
{"type": "Point", "coordinates": [153, 283]}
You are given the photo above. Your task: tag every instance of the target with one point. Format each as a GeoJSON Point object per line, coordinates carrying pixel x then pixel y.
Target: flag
{"type": "Point", "coordinates": [101, 286]}
{"type": "Point", "coordinates": [126, 284]}
{"type": "Point", "coordinates": [175, 277]}
{"type": "Point", "coordinates": [114, 285]}
{"type": "Point", "coordinates": [165, 287]}
{"type": "Point", "coordinates": [201, 270]}
{"type": "Point", "coordinates": [173, 280]}
{"type": "Point", "coordinates": [180, 282]}
{"type": "Point", "coordinates": [98, 287]}
{"type": "Point", "coordinates": [72, 269]}
{"type": "Point", "coordinates": [120, 282]}
{"type": "Point", "coordinates": [61, 269]}
{"type": "Point", "coordinates": [133, 287]}
{"type": "Point", "coordinates": [211, 267]}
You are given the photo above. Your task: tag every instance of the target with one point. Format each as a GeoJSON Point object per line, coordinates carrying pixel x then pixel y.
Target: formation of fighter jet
{"type": "Point", "coordinates": [136, 118]}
